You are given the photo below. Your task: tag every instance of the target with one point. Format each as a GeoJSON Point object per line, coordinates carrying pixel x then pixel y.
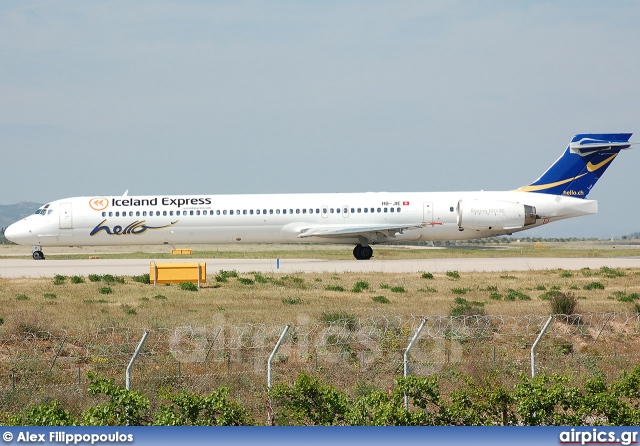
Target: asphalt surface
{"type": "Point", "coordinates": [29, 268]}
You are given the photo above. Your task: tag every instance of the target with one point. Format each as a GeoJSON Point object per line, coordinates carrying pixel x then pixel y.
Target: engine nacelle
{"type": "Point", "coordinates": [494, 214]}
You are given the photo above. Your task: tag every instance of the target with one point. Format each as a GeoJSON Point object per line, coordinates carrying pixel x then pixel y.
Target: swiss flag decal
{"type": "Point", "coordinates": [405, 203]}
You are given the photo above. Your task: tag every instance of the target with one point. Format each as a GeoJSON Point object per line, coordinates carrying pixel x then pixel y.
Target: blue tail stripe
{"type": "Point", "coordinates": [575, 174]}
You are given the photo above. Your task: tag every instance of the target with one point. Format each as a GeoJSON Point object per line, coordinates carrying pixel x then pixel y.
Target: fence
{"type": "Point", "coordinates": [351, 354]}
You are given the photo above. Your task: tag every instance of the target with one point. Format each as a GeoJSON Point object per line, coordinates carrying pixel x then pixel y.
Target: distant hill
{"type": "Point", "coordinates": [10, 213]}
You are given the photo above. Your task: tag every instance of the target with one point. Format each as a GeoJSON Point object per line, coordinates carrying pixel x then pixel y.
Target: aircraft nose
{"type": "Point", "coordinates": [14, 232]}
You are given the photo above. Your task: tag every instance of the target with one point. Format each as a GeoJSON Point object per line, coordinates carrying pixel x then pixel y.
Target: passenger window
{"type": "Point", "coordinates": [258, 211]}
{"type": "Point", "coordinates": [224, 212]}
{"type": "Point", "coordinates": [311, 211]}
{"type": "Point", "coordinates": [144, 213]}
{"type": "Point", "coordinates": [366, 210]}
{"type": "Point", "coordinates": [398, 209]}
{"type": "Point", "coordinates": [277, 211]}
{"type": "Point", "coordinates": [304, 211]}
{"type": "Point", "coordinates": [251, 211]}
{"type": "Point", "coordinates": [379, 210]}
{"type": "Point", "coordinates": [353, 210]}
{"type": "Point", "coordinates": [391, 209]}
{"type": "Point", "coordinates": [359, 210]}
{"type": "Point", "coordinates": [104, 214]}
{"type": "Point", "coordinates": [231, 212]}
{"type": "Point", "coordinates": [331, 210]}
{"type": "Point", "coordinates": [164, 213]}
{"type": "Point", "coordinates": [117, 214]}
{"type": "Point", "coordinates": [451, 209]}
{"type": "Point", "coordinates": [244, 212]}
{"type": "Point", "coordinates": [372, 210]}
{"type": "Point", "coordinates": [218, 212]}
{"type": "Point", "coordinates": [345, 210]}
{"type": "Point", "coordinates": [190, 212]}
{"type": "Point", "coordinates": [297, 211]}
{"type": "Point", "coordinates": [271, 211]}
{"type": "Point", "coordinates": [385, 210]}
{"type": "Point", "coordinates": [137, 213]}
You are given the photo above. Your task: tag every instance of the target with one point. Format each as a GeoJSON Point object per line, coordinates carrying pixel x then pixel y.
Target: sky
{"type": "Point", "coordinates": [215, 97]}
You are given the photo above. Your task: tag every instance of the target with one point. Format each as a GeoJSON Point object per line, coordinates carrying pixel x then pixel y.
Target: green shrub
{"type": "Point", "coordinates": [540, 288]}
{"type": "Point", "coordinates": [398, 289]}
{"type": "Point", "coordinates": [549, 294]}
{"type": "Point", "coordinates": [427, 276]}
{"type": "Point", "coordinates": [509, 277]}
{"type": "Point", "coordinates": [566, 274]}
{"type": "Point", "coordinates": [188, 286]}
{"type": "Point", "coordinates": [453, 274]}
{"type": "Point", "coordinates": [593, 286]}
{"type": "Point", "coordinates": [610, 272]}
{"type": "Point", "coordinates": [50, 296]}
{"type": "Point", "coordinates": [77, 279]}
{"type": "Point", "coordinates": [563, 303]}
{"type": "Point", "coordinates": [495, 296]}
{"type": "Point", "coordinates": [260, 278]}
{"type": "Point", "coordinates": [291, 300]}
{"type": "Point", "coordinates": [105, 290]}
{"type": "Point", "coordinates": [463, 307]}
{"type": "Point", "coordinates": [624, 297]}
{"type": "Point", "coordinates": [380, 299]}
{"type": "Point", "coordinates": [245, 281]}
{"type": "Point", "coordinates": [128, 309]}
{"type": "Point", "coordinates": [143, 278]}
{"type": "Point", "coordinates": [59, 280]}
{"type": "Point", "coordinates": [360, 286]}
{"type": "Point", "coordinates": [22, 297]}
{"type": "Point", "coordinates": [514, 294]}
{"type": "Point", "coordinates": [95, 278]}
{"type": "Point", "coordinates": [333, 288]}
{"type": "Point", "coordinates": [459, 290]}
{"type": "Point", "coordinates": [159, 297]}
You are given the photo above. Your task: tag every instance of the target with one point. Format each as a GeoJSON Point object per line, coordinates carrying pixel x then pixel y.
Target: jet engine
{"type": "Point", "coordinates": [494, 214]}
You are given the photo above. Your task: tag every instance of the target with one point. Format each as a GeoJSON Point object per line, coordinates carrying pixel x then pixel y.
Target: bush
{"type": "Point", "coordinates": [143, 278]}
{"type": "Point", "coordinates": [50, 296]}
{"type": "Point", "coordinates": [59, 280]}
{"type": "Point", "coordinates": [398, 289]}
{"type": "Point", "coordinates": [593, 286]}
{"type": "Point", "coordinates": [95, 278]}
{"type": "Point", "coordinates": [380, 299]}
{"type": "Point", "coordinates": [291, 300]}
{"type": "Point", "coordinates": [188, 286]}
{"type": "Point", "coordinates": [610, 272]}
{"type": "Point", "coordinates": [333, 288]}
{"type": "Point", "coordinates": [22, 297]}
{"type": "Point", "coordinates": [453, 274]}
{"type": "Point", "coordinates": [514, 294]}
{"type": "Point", "coordinates": [246, 281]}
{"type": "Point", "coordinates": [105, 290]}
{"type": "Point", "coordinates": [563, 303]}
{"type": "Point", "coordinates": [128, 309]}
{"type": "Point", "coordinates": [77, 279]}
{"type": "Point", "coordinates": [159, 297]}
{"type": "Point", "coordinates": [427, 276]}
{"type": "Point", "coordinates": [360, 286]}
{"type": "Point", "coordinates": [463, 307]}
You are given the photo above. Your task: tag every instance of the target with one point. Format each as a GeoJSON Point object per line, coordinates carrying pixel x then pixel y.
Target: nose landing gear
{"type": "Point", "coordinates": [363, 252]}
{"type": "Point", "coordinates": [37, 253]}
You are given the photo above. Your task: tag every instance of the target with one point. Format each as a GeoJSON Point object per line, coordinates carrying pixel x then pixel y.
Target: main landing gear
{"type": "Point", "coordinates": [363, 252]}
{"type": "Point", "coordinates": [37, 253]}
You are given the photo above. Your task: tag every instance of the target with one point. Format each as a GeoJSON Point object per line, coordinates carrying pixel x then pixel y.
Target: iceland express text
{"type": "Point", "coordinates": [165, 201]}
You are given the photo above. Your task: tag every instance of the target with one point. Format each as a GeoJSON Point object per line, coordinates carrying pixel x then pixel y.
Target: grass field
{"type": "Point", "coordinates": [80, 304]}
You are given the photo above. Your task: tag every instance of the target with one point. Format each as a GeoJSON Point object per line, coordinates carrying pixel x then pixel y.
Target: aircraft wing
{"type": "Point", "coordinates": [373, 233]}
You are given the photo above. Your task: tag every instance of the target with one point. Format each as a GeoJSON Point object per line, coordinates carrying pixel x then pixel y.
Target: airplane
{"type": "Point", "coordinates": [360, 219]}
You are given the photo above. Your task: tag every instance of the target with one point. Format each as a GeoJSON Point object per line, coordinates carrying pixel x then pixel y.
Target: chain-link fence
{"type": "Point", "coordinates": [352, 354]}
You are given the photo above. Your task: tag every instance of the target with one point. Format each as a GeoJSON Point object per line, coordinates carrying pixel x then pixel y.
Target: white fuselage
{"type": "Point", "coordinates": [284, 218]}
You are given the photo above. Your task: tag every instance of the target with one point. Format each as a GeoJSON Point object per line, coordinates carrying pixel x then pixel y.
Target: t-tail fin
{"type": "Point", "coordinates": [581, 165]}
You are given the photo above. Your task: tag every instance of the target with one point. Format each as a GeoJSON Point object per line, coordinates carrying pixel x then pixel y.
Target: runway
{"type": "Point", "coordinates": [28, 268]}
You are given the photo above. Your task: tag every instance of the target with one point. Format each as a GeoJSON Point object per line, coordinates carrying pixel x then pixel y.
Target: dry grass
{"type": "Point", "coordinates": [297, 298]}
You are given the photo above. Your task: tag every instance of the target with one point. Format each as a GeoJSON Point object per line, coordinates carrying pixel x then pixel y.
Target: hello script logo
{"type": "Point", "coordinates": [99, 203]}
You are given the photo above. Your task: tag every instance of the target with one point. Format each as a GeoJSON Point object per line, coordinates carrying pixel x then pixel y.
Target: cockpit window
{"type": "Point", "coordinates": [43, 210]}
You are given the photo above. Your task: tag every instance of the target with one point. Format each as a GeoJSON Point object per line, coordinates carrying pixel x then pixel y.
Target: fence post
{"type": "Point", "coordinates": [133, 359]}
{"type": "Point", "coordinates": [535, 344]}
{"type": "Point", "coordinates": [57, 354]}
{"type": "Point", "coordinates": [211, 345]}
{"type": "Point", "coordinates": [406, 358]}
{"type": "Point", "coordinates": [271, 356]}
{"type": "Point", "coordinates": [155, 273]}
